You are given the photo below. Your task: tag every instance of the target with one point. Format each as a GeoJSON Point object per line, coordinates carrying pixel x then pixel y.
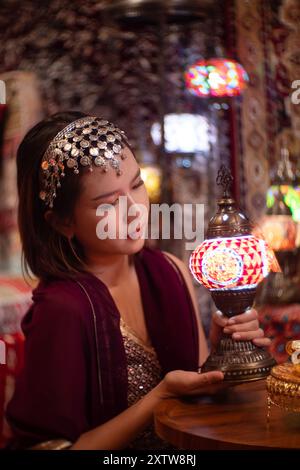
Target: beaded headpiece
{"type": "Point", "coordinates": [85, 142]}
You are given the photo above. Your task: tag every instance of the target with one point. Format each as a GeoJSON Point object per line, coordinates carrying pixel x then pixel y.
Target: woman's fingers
{"type": "Point", "coordinates": [219, 319]}
{"type": "Point", "coordinates": [262, 342]}
{"type": "Point", "coordinates": [243, 327]}
{"type": "Point", "coordinates": [206, 380]}
{"type": "Point", "coordinates": [179, 382]}
{"type": "Point", "coordinates": [249, 326]}
{"type": "Point", "coordinates": [245, 317]}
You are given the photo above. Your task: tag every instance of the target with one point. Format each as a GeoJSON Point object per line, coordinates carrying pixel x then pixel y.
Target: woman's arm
{"type": "Point", "coordinates": [203, 347]}
{"type": "Point", "coordinates": [51, 395]}
{"type": "Point", "coordinates": [120, 431]}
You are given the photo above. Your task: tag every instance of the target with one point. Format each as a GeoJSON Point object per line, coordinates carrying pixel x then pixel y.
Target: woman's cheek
{"type": "Point", "coordinates": [106, 226]}
{"type": "Point", "coordinates": [144, 197]}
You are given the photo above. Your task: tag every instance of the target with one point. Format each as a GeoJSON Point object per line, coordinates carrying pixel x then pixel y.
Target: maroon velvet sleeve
{"type": "Point", "coordinates": [50, 399]}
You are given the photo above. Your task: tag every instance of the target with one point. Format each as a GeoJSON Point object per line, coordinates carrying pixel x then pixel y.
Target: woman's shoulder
{"type": "Point", "coordinates": [169, 259]}
{"type": "Point", "coordinates": [59, 296]}
{"type": "Point", "coordinates": [185, 273]}
{"type": "Point", "coordinates": [179, 265]}
{"type": "Point", "coordinates": [178, 262]}
{"type": "Point", "coordinates": [55, 288]}
{"type": "Point", "coordinates": [155, 255]}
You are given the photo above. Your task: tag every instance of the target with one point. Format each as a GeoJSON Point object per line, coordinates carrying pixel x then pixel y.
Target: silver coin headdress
{"type": "Point", "coordinates": [85, 142]}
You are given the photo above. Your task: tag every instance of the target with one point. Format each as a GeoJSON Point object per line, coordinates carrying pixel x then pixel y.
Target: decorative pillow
{"type": "Point", "coordinates": [280, 323]}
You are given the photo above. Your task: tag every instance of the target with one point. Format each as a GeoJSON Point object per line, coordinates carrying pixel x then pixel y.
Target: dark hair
{"type": "Point", "coordinates": [46, 252]}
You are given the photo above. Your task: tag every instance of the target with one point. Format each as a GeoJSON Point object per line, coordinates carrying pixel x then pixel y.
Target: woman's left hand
{"type": "Point", "coordinates": [241, 327]}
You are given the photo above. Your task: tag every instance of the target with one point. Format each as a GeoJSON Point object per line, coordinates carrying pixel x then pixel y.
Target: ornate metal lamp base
{"type": "Point", "coordinates": [240, 361]}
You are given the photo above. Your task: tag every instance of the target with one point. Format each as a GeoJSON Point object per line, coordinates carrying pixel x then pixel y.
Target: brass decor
{"type": "Point", "coordinates": [283, 384]}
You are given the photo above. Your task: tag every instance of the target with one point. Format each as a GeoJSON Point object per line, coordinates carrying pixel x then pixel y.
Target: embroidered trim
{"type": "Point", "coordinates": [133, 336]}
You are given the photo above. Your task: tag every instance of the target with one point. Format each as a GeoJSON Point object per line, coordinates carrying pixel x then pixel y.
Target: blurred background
{"type": "Point", "coordinates": [134, 62]}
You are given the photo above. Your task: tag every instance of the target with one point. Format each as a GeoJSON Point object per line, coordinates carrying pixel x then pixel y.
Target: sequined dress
{"type": "Point", "coordinates": [144, 373]}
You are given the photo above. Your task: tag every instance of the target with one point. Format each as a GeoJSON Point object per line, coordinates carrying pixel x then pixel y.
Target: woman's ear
{"type": "Point", "coordinates": [63, 227]}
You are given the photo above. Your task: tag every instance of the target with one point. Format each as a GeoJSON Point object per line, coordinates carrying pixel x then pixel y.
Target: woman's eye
{"type": "Point", "coordinates": [107, 205]}
{"type": "Point", "coordinates": [138, 184]}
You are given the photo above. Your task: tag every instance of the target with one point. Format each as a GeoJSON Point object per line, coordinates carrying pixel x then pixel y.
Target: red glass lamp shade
{"type": "Point", "coordinates": [216, 77]}
{"type": "Point", "coordinates": [231, 263]}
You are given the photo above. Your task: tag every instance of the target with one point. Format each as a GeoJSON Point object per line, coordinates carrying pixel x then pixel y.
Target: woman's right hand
{"type": "Point", "coordinates": [182, 383]}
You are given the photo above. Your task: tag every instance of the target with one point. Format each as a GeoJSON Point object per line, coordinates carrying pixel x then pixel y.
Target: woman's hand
{"type": "Point", "coordinates": [241, 327]}
{"type": "Point", "coordinates": [182, 383]}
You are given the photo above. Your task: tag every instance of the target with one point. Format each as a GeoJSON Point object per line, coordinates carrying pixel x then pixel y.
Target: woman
{"type": "Point", "coordinates": [114, 326]}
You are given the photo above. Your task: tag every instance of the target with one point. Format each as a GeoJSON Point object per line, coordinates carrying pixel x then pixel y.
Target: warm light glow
{"type": "Point", "coordinates": [151, 175]}
{"type": "Point", "coordinates": [216, 77]}
{"type": "Point", "coordinates": [232, 263]}
{"type": "Point", "coordinates": [279, 231]}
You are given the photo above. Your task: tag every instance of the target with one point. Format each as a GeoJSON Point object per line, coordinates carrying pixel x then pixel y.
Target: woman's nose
{"type": "Point", "coordinates": [133, 209]}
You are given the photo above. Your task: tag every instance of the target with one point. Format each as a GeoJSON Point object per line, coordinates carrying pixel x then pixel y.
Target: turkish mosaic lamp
{"type": "Point", "coordinates": [231, 262]}
{"type": "Point", "coordinates": [217, 77]}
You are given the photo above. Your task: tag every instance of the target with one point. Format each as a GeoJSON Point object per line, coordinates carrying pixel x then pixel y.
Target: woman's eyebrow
{"type": "Point", "coordinates": [138, 173]}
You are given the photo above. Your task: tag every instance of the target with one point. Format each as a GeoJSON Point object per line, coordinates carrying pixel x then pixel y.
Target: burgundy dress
{"type": "Point", "coordinates": [75, 376]}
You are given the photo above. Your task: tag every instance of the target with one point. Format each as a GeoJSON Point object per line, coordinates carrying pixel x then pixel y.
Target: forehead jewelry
{"type": "Point", "coordinates": [85, 142]}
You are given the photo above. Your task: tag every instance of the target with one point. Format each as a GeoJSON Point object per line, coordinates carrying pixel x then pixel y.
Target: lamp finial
{"type": "Point", "coordinates": [225, 179]}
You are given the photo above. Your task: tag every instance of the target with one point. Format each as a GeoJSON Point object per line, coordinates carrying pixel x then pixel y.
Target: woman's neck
{"type": "Point", "coordinates": [111, 269]}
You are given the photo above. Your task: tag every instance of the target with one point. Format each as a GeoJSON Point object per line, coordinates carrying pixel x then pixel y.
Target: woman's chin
{"type": "Point", "coordinates": [126, 246]}
{"type": "Point", "coordinates": [132, 246]}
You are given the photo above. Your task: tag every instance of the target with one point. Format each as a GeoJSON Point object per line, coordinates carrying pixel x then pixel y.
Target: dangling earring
{"type": "Point", "coordinates": [74, 252]}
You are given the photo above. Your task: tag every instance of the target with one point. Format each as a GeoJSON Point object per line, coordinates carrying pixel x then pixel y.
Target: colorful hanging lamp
{"type": "Point", "coordinates": [285, 182]}
{"type": "Point", "coordinates": [291, 197]}
{"type": "Point", "coordinates": [277, 226]}
{"type": "Point", "coordinates": [217, 77]}
{"type": "Point", "coordinates": [280, 225]}
{"type": "Point", "coordinates": [280, 228]}
{"type": "Point", "coordinates": [230, 263]}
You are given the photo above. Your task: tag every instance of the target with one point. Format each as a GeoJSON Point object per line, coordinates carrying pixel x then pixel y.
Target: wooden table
{"type": "Point", "coordinates": [235, 420]}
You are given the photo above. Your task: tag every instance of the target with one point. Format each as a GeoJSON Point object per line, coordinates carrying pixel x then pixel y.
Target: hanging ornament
{"type": "Point", "coordinates": [216, 77]}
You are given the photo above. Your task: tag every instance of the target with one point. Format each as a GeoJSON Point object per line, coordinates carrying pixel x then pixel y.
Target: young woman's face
{"type": "Point", "coordinates": [111, 214]}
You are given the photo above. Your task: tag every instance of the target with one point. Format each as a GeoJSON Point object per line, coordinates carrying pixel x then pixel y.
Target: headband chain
{"type": "Point", "coordinates": [84, 142]}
